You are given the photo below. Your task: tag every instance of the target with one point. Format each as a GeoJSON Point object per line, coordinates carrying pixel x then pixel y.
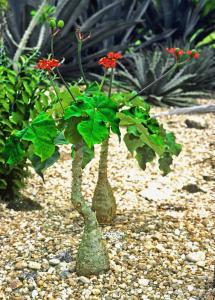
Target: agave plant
{"type": "Point", "coordinates": [111, 25]}
{"type": "Point", "coordinates": [204, 68]}
{"type": "Point", "coordinates": [187, 19]}
{"type": "Point", "coordinates": [142, 68]}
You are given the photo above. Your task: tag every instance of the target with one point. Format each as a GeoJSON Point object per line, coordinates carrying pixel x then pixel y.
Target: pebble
{"type": "Point", "coordinates": [34, 265]}
{"type": "Point", "coordinates": [15, 284]}
{"type": "Point", "coordinates": [34, 294]}
{"type": "Point", "coordinates": [141, 266]}
{"type": "Point", "coordinates": [20, 265]}
{"type": "Point", "coordinates": [195, 256]}
{"type": "Point", "coordinates": [160, 248]}
{"type": "Point", "coordinates": [177, 232]}
{"type": "Point", "coordinates": [84, 279]}
{"type": "Point", "coordinates": [143, 282]}
{"type": "Point", "coordinates": [96, 292]}
{"type": "Point", "coordinates": [190, 288]}
{"type": "Point", "coordinates": [54, 262]}
{"type": "Point", "coordinates": [201, 264]}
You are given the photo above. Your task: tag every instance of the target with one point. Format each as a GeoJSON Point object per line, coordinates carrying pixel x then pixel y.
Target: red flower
{"type": "Point", "coordinates": [110, 60]}
{"type": "Point", "coordinates": [114, 55]}
{"type": "Point", "coordinates": [193, 54]}
{"type": "Point", "coordinates": [107, 62]}
{"type": "Point", "coordinates": [47, 64]}
{"type": "Point", "coordinates": [177, 52]}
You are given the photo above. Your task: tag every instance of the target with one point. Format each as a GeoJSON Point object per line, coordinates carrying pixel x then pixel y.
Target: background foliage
{"type": "Point", "coordinates": [22, 95]}
{"type": "Point", "coordinates": [122, 25]}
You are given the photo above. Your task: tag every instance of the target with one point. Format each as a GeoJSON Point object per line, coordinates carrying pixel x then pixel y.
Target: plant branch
{"type": "Point", "coordinates": [27, 34]}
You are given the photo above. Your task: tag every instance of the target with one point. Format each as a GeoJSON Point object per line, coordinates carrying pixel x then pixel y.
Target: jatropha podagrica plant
{"type": "Point", "coordinates": [85, 118]}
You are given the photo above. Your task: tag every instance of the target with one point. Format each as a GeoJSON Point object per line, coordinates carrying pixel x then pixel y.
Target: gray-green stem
{"type": "Point", "coordinates": [92, 257]}
{"type": "Point", "coordinates": [103, 162]}
{"type": "Point", "coordinates": [77, 197]}
{"type": "Point", "coordinates": [104, 202]}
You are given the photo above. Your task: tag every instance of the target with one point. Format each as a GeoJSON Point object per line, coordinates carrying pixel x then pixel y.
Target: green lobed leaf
{"type": "Point", "coordinates": [132, 142]}
{"type": "Point", "coordinates": [72, 111]}
{"type": "Point", "coordinates": [99, 106]}
{"type": "Point", "coordinates": [92, 132]}
{"type": "Point", "coordinates": [143, 155]}
{"type": "Point", "coordinates": [71, 132]}
{"type": "Point", "coordinates": [42, 133]}
{"type": "Point", "coordinates": [88, 155]}
{"type": "Point", "coordinates": [60, 139]}
{"type": "Point", "coordinates": [13, 151]}
{"type": "Point", "coordinates": [40, 166]}
{"type": "Point", "coordinates": [164, 163]}
{"type": "Point", "coordinates": [173, 147]}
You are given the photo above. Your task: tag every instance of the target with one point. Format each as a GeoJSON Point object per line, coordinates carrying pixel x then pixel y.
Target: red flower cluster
{"type": "Point", "coordinates": [110, 60]}
{"type": "Point", "coordinates": [177, 52]}
{"type": "Point", "coordinates": [47, 64]}
{"type": "Point", "coordinates": [114, 55]}
{"type": "Point", "coordinates": [193, 54]}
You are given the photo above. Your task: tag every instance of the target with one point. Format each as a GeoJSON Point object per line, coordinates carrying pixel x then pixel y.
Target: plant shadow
{"type": "Point", "coordinates": [24, 204]}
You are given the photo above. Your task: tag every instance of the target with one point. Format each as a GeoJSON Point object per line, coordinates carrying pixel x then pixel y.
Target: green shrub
{"type": "Point", "coordinates": [21, 97]}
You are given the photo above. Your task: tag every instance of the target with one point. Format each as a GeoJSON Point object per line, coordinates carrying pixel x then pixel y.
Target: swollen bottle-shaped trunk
{"type": "Point", "coordinates": [92, 258]}
{"type": "Point", "coordinates": [104, 203]}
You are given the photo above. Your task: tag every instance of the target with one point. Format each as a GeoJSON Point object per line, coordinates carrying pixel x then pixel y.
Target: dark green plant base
{"type": "Point", "coordinates": [92, 258]}
{"type": "Point", "coordinates": [104, 202]}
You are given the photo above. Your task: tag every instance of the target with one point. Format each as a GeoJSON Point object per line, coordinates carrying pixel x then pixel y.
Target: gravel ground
{"type": "Point", "coordinates": [161, 244]}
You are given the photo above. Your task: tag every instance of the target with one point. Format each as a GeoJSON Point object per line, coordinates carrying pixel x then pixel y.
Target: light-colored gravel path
{"type": "Point", "coordinates": [161, 244]}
